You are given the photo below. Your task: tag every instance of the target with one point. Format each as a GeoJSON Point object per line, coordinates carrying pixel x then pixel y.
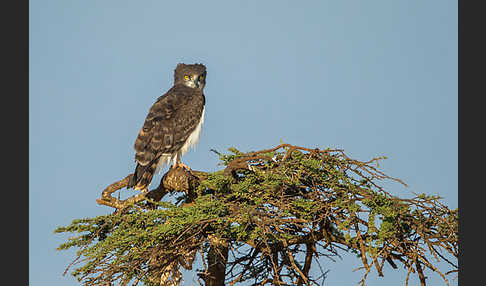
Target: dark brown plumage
{"type": "Point", "coordinates": [172, 125]}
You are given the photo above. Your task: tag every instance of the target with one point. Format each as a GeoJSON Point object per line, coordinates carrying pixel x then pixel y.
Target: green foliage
{"type": "Point", "coordinates": [285, 196]}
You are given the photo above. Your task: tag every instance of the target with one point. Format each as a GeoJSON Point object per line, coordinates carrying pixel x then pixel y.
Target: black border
{"type": "Point", "coordinates": [471, 146]}
{"type": "Point", "coordinates": [15, 133]}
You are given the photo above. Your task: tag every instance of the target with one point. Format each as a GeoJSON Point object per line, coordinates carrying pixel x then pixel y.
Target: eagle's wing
{"type": "Point", "coordinates": [169, 123]}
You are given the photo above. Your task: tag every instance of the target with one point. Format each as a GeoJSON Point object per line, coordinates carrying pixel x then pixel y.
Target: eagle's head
{"type": "Point", "coordinates": [193, 76]}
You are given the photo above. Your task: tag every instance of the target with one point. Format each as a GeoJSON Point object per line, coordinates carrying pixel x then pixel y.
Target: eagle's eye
{"type": "Point", "coordinates": [187, 77]}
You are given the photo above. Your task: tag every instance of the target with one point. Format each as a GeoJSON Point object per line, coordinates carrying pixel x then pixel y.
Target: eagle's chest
{"type": "Point", "coordinates": [193, 138]}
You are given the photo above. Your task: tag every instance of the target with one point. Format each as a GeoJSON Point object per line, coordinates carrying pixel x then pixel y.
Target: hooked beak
{"type": "Point", "coordinates": [199, 81]}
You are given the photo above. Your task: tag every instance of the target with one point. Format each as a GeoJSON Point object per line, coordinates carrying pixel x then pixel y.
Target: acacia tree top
{"type": "Point", "coordinates": [264, 219]}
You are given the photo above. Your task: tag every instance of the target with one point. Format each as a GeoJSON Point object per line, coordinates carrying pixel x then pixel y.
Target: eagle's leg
{"type": "Point", "coordinates": [178, 163]}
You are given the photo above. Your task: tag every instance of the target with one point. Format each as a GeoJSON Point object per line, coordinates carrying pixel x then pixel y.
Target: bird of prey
{"type": "Point", "coordinates": [172, 126]}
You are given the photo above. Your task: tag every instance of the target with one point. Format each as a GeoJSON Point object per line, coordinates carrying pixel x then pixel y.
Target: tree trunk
{"type": "Point", "coordinates": [217, 258]}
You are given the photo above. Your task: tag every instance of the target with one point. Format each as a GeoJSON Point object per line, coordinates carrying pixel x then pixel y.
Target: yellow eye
{"type": "Point", "coordinates": [186, 77]}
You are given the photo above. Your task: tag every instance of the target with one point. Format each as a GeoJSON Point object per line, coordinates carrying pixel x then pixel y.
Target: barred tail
{"type": "Point", "coordinates": [142, 176]}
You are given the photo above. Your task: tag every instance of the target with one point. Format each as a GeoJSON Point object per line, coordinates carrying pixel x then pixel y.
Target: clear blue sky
{"type": "Point", "coordinates": [372, 77]}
